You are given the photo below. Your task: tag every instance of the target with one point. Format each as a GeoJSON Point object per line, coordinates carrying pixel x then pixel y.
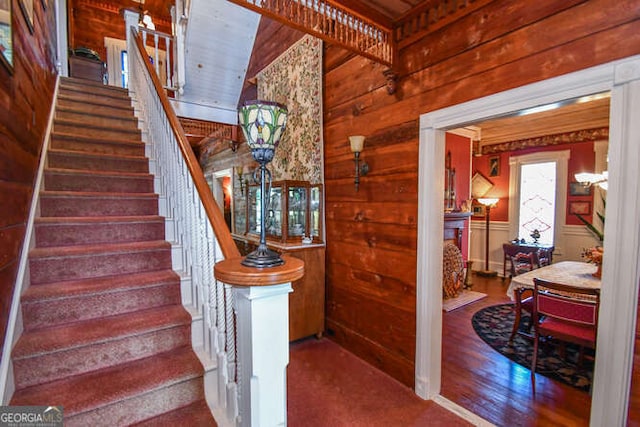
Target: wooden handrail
{"type": "Point", "coordinates": [212, 210]}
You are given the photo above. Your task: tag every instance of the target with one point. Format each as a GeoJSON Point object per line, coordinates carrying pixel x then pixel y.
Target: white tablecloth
{"type": "Point", "coordinates": [572, 273]}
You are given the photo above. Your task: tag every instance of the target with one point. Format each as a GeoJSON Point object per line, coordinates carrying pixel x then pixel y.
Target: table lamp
{"type": "Point", "coordinates": [262, 124]}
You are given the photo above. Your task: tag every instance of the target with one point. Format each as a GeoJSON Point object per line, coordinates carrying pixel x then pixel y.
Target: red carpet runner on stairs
{"type": "Point", "coordinates": [105, 334]}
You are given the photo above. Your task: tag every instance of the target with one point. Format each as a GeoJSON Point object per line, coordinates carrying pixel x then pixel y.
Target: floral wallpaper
{"type": "Point", "coordinates": [295, 80]}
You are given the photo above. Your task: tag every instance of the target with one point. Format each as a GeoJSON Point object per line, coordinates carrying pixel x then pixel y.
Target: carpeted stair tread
{"type": "Point", "coordinates": [57, 303]}
{"type": "Point", "coordinates": [68, 231]}
{"type": "Point", "coordinates": [93, 119]}
{"type": "Point", "coordinates": [197, 414]}
{"type": "Point", "coordinates": [90, 250]}
{"type": "Point", "coordinates": [104, 387]}
{"type": "Point", "coordinates": [92, 286]}
{"type": "Point", "coordinates": [93, 140]}
{"type": "Point", "coordinates": [56, 264]}
{"type": "Point", "coordinates": [73, 159]}
{"type": "Point", "coordinates": [124, 115]}
{"type": "Point", "coordinates": [108, 174]}
{"type": "Point", "coordinates": [84, 85]}
{"type": "Point", "coordinates": [107, 112]}
{"type": "Point", "coordinates": [78, 127]}
{"type": "Point", "coordinates": [81, 203]}
{"type": "Point", "coordinates": [105, 93]}
{"type": "Point", "coordinates": [98, 181]}
{"type": "Point", "coordinates": [91, 332]}
{"type": "Point", "coordinates": [69, 100]}
{"type": "Point", "coordinates": [97, 220]}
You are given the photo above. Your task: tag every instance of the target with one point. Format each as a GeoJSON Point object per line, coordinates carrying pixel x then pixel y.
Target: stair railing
{"type": "Point", "coordinates": [161, 43]}
{"type": "Point", "coordinates": [195, 225]}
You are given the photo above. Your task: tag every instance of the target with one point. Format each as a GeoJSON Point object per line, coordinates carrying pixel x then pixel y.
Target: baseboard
{"type": "Point", "coordinates": [462, 412]}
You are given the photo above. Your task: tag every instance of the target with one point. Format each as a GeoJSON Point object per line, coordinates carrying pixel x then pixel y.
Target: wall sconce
{"type": "Point", "coordinates": [357, 144]}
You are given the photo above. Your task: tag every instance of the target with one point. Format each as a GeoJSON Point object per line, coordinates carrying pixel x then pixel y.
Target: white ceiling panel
{"type": "Point", "coordinates": [219, 40]}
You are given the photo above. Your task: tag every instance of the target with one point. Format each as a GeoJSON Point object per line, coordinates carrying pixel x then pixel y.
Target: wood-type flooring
{"type": "Point", "coordinates": [483, 381]}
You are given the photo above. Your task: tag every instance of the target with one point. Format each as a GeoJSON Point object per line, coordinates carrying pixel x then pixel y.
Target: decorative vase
{"type": "Point", "coordinates": [598, 272]}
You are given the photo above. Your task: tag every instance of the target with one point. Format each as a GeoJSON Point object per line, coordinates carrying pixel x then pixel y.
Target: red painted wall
{"type": "Point", "coordinates": [460, 148]}
{"type": "Point", "coordinates": [582, 158]}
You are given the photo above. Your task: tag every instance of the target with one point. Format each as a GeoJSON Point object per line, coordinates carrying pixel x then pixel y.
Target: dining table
{"type": "Point", "coordinates": [571, 273]}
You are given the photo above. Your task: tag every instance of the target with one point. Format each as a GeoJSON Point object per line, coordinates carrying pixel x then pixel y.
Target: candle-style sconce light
{"type": "Point", "coordinates": [357, 145]}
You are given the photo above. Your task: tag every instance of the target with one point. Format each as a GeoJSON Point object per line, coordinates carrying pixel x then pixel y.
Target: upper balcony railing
{"type": "Point", "coordinates": [331, 22]}
{"type": "Point", "coordinates": [161, 49]}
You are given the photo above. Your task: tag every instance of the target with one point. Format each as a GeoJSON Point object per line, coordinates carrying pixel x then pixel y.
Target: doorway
{"type": "Point", "coordinates": [622, 246]}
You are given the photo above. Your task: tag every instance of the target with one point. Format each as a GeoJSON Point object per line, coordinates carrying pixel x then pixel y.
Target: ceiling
{"type": "Point", "coordinates": [573, 116]}
{"type": "Point", "coordinates": [384, 12]}
{"type": "Point", "coordinates": [208, 59]}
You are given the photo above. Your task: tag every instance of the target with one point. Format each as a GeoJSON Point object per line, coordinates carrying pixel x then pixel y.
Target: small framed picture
{"type": "Point", "coordinates": [480, 185]}
{"type": "Point", "coordinates": [494, 166]}
{"type": "Point", "coordinates": [578, 189]}
{"type": "Point", "coordinates": [478, 210]}
{"type": "Point", "coordinates": [580, 208]}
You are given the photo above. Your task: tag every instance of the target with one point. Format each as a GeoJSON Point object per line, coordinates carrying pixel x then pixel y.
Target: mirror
{"type": "Point", "coordinates": [6, 46]}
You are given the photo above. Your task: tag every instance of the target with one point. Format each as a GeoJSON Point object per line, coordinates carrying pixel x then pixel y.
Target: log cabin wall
{"type": "Point", "coordinates": [25, 100]}
{"type": "Point", "coordinates": [371, 234]}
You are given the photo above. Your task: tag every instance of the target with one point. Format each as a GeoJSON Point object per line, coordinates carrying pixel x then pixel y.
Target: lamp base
{"type": "Point", "coordinates": [487, 273]}
{"type": "Point", "coordinates": [262, 257]}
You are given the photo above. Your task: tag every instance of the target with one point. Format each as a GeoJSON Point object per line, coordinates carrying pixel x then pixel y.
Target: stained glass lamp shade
{"type": "Point", "coordinates": [263, 124]}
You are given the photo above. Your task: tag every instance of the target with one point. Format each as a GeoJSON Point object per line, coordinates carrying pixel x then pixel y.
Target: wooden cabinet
{"type": "Point", "coordinates": [307, 301]}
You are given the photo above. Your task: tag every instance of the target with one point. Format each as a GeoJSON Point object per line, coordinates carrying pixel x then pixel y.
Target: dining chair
{"type": "Point", "coordinates": [566, 313]}
{"type": "Point", "coordinates": [521, 263]}
{"type": "Point", "coordinates": [543, 257]}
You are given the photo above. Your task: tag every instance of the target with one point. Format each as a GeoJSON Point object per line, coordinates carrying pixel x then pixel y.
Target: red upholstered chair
{"type": "Point", "coordinates": [565, 313]}
{"type": "Point", "coordinates": [521, 263]}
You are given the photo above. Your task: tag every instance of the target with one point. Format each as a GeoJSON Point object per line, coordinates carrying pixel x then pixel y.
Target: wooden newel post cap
{"type": "Point", "coordinates": [232, 272]}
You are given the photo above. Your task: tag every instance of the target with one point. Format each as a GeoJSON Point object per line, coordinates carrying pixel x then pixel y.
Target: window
{"type": "Point", "coordinates": [537, 195]}
{"type": "Point", "coordinates": [537, 200]}
{"type": "Point", "coordinates": [125, 68]}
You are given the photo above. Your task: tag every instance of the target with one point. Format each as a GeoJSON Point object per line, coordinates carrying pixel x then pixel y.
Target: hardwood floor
{"type": "Point", "coordinates": [480, 379]}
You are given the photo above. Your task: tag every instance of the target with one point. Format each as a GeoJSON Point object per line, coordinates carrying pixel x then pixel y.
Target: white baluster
{"type": "Point", "coordinates": [193, 232]}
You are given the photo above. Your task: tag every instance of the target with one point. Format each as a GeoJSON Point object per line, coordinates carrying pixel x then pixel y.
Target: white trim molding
{"type": "Point", "coordinates": [621, 272]}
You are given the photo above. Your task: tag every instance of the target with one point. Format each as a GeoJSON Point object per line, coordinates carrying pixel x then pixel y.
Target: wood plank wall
{"type": "Point", "coordinates": [371, 234]}
{"type": "Point", "coordinates": [25, 100]}
{"type": "Point", "coordinates": [92, 20]}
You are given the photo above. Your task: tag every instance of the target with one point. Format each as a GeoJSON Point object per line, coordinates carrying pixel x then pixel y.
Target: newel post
{"type": "Point", "coordinates": [261, 299]}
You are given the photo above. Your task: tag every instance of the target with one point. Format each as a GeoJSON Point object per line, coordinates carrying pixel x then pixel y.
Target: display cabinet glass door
{"type": "Point", "coordinates": [254, 208]}
{"type": "Point", "coordinates": [297, 214]}
{"type": "Point", "coordinates": [274, 213]}
{"type": "Point", "coordinates": [315, 212]}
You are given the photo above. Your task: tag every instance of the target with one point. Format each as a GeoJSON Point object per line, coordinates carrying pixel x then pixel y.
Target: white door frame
{"type": "Point", "coordinates": [621, 272]}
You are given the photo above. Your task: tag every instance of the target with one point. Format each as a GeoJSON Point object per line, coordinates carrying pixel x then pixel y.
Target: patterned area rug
{"type": "Point", "coordinates": [465, 298]}
{"type": "Point", "coordinates": [493, 324]}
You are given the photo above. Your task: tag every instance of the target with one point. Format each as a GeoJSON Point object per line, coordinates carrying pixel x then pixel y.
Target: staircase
{"type": "Point", "coordinates": [105, 334]}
